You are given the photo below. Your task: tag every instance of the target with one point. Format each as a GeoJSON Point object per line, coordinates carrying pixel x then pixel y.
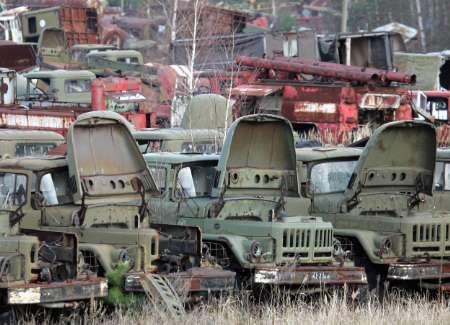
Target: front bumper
{"type": "Point", "coordinates": [199, 280]}
{"type": "Point", "coordinates": [57, 292]}
{"type": "Point", "coordinates": [311, 276]}
{"type": "Point", "coordinates": [420, 270]}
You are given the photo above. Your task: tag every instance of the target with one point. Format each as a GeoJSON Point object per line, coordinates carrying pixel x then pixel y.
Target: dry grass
{"type": "Point", "coordinates": [329, 311]}
{"type": "Point", "coordinates": [330, 137]}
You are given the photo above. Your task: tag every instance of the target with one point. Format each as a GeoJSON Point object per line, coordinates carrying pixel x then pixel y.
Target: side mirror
{"type": "Point", "coordinates": [37, 201]}
{"type": "Point", "coordinates": [307, 189]}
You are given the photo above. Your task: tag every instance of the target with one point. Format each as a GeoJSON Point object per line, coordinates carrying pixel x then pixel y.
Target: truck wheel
{"type": "Point", "coordinates": [376, 275]}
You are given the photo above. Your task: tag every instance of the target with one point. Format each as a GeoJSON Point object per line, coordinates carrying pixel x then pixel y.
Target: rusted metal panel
{"type": "Point", "coordinates": [311, 275]}
{"type": "Point", "coordinates": [421, 270]}
{"type": "Point", "coordinates": [18, 57]}
{"type": "Point", "coordinates": [212, 21]}
{"type": "Point", "coordinates": [42, 293]}
{"type": "Point", "coordinates": [38, 4]}
{"type": "Point", "coordinates": [202, 279]}
{"type": "Point", "coordinates": [255, 90]}
{"type": "Point", "coordinates": [191, 282]}
{"type": "Point", "coordinates": [57, 120]}
{"type": "Point", "coordinates": [328, 70]}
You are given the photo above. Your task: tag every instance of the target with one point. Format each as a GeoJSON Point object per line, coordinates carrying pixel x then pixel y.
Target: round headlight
{"type": "Point", "coordinates": [120, 256]}
{"type": "Point", "coordinates": [386, 244]}
{"type": "Point", "coordinates": [255, 249]}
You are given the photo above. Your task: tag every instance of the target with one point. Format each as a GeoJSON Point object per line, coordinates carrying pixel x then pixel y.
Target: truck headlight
{"type": "Point", "coordinates": [120, 256]}
{"type": "Point", "coordinates": [255, 249]}
{"type": "Point", "coordinates": [384, 246]}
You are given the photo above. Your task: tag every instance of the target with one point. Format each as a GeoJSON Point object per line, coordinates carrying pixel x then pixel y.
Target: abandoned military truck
{"type": "Point", "coordinates": [99, 192]}
{"type": "Point", "coordinates": [378, 199]}
{"type": "Point", "coordinates": [240, 201]}
{"type": "Point", "coordinates": [38, 268]}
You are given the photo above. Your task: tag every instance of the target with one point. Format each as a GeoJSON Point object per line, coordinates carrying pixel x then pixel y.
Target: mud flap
{"type": "Point", "coordinates": [162, 295]}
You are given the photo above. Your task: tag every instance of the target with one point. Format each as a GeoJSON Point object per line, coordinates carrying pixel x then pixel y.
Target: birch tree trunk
{"type": "Point", "coordinates": [423, 41]}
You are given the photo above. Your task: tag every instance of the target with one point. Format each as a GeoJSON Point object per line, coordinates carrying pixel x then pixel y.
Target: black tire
{"type": "Point", "coordinates": [376, 275]}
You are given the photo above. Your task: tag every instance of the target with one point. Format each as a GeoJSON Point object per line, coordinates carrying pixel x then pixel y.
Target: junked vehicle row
{"type": "Point", "coordinates": [266, 214]}
{"type": "Point", "coordinates": [99, 204]}
{"type": "Point", "coordinates": [96, 196]}
{"type": "Point", "coordinates": [378, 199]}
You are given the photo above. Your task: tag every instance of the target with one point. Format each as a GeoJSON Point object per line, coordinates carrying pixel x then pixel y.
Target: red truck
{"type": "Point", "coordinates": [328, 100]}
{"type": "Point", "coordinates": [58, 97]}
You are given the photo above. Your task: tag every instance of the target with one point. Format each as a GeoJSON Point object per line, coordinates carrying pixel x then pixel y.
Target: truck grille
{"type": "Point", "coordinates": [324, 238]}
{"type": "Point", "coordinates": [307, 245]}
{"type": "Point", "coordinates": [431, 238]}
{"type": "Point", "coordinates": [296, 238]}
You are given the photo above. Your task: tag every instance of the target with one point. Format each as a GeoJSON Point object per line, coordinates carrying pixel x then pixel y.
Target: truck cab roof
{"type": "Point", "coordinates": [313, 154]}
{"type": "Point", "coordinates": [175, 134]}
{"type": "Point", "coordinates": [179, 158]}
{"type": "Point", "coordinates": [34, 164]}
{"type": "Point", "coordinates": [12, 135]}
{"type": "Point", "coordinates": [60, 74]}
{"type": "Point", "coordinates": [117, 55]}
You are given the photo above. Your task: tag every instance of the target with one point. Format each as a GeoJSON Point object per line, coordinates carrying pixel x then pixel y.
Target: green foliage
{"type": "Point", "coordinates": [116, 295]}
{"type": "Point", "coordinates": [116, 277]}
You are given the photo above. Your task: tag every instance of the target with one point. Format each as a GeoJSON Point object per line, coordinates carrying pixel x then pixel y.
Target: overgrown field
{"type": "Point", "coordinates": [331, 310]}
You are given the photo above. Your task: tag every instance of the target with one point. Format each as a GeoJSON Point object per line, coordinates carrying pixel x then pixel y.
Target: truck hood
{"type": "Point", "coordinates": [105, 161]}
{"type": "Point", "coordinates": [398, 158]}
{"type": "Point", "coordinates": [52, 47]}
{"type": "Point", "coordinates": [258, 158]}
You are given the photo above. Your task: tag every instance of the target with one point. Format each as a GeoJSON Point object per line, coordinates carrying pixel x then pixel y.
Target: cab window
{"type": "Point", "coordinates": [128, 60]}
{"type": "Point", "coordinates": [77, 86]}
{"type": "Point", "coordinates": [438, 108]}
{"type": "Point", "coordinates": [13, 190]}
{"type": "Point", "coordinates": [147, 146]}
{"type": "Point", "coordinates": [159, 175]}
{"type": "Point", "coordinates": [33, 149]}
{"type": "Point", "coordinates": [331, 176]}
{"type": "Point", "coordinates": [195, 181]}
{"type": "Point", "coordinates": [55, 189]}
{"type": "Point", "coordinates": [201, 147]}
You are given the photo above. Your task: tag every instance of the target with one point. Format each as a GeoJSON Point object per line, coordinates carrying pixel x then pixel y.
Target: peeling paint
{"type": "Point", "coordinates": [22, 296]}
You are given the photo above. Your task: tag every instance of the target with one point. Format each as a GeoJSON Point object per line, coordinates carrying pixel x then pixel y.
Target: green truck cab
{"type": "Point", "coordinates": [377, 198]}
{"type": "Point", "coordinates": [238, 199]}
{"type": "Point", "coordinates": [58, 86]}
{"type": "Point", "coordinates": [122, 62]}
{"type": "Point", "coordinates": [123, 56]}
{"type": "Point", "coordinates": [79, 52]}
{"type": "Point", "coordinates": [99, 192]}
{"type": "Point", "coordinates": [39, 268]}
{"type": "Point", "coordinates": [179, 140]}
{"type": "Point", "coordinates": [21, 143]}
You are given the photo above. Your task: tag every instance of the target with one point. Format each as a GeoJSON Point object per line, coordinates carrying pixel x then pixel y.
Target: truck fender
{"type": "Point", "coordinates": [367, 239]}
{"type": "Point", "coordinates": [101, 252]}
{"type": "Point", "coordinates": [236, 244]}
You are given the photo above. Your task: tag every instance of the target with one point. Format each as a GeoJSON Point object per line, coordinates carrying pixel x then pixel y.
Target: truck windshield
{"type": "Point", "coordinates": [77, 86]}
{"type": "Point", "coordinates": [33, 149]}
{"type": "Point", "coordinates": [195, 181]}
{"type": "Point", "coordinates": [331, 176]}
{"type": "Point", "coordinates": [13, 190]}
